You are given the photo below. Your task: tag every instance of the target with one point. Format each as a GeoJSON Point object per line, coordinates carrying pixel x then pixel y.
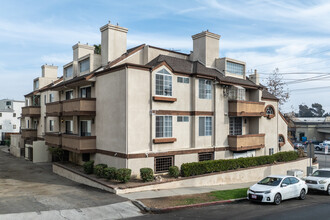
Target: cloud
{"type": "Point", "coordinates": [62, 58]}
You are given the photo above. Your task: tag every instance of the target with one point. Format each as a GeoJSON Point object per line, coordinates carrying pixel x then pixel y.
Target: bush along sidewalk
{"type": "Point", "coordinates": [210, 166]}
{"type": "Point", "coordinates": [147, 174]}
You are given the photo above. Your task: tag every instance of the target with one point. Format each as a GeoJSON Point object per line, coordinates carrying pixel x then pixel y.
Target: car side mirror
{"type": "Point", "coordinates": [284, 185]}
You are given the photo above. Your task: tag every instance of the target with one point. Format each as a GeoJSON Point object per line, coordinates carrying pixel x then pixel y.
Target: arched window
{"type": "Point", "coordinates": [163, 83]}
{"type": "Point", "coordinates": [281, 140]}
{"type": "Point", "coordinates": [270, 111]}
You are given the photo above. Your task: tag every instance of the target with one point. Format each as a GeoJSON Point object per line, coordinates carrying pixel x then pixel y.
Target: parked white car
{"type": "Point", "coordinates": [274, 189]}
{"type": "Point", "coordinates": [319, 180]}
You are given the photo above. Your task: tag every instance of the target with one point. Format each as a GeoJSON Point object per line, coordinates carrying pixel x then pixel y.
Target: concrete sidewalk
{"type": "Point", "coordinates": [183, 191]}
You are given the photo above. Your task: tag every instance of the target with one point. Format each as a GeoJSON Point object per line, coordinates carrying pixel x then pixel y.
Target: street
{"type": "Point", "coordinates": [316, 205]}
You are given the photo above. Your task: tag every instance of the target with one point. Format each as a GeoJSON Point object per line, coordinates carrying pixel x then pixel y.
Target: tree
{"type": "Point", "coordinates": [276, 86]}
{"type": "Point", "coordinates": [305, 111]}
{"type": "Point", "coordinates": [97, 49]}
{"type": "Point", "coordinates": [315, 111]}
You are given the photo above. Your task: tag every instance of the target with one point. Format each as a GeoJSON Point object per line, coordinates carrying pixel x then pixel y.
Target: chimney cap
{"type": "Point", "coordinates": [113, 27]}
{"type": "Point", "coordinates": [206, 34]}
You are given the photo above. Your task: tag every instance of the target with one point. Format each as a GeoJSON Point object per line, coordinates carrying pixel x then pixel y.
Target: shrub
{"type": "Point", "coordinates": [147, 174]}
{"type": "Point", "coordinates": [57, 153]}
{"type": "Point", "coordinates": [89, 166]}
{"type": "Point", "coordinates": [110, 173]}
{"type": "Point", "coordinates": [7, 142]}
{"type": "Point", "coordinates": [174, 171]}
{"type": "Point", "coordinates": [99, 170]}
{"type": "Point", "coordinates": [198, 168]}
{"type": "Point", "coordinates": [123, 175]}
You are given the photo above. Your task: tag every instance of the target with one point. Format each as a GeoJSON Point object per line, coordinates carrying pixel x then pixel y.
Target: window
{"type": "Point", "coordinates": [183, 119]}
{"type": "Point", "coordinates": [271, 151]}
{"type": "Point", "coordinates": [8, 103]}
{"type": "Point", "coordinates": [237, 93]}
{"type": "Point", "coordinates": [235, 68]}
{"type": "Point", "coordinates": [163, 83]}
{"type": "Point", "coordinates": [163, 126]}
{"type": "Point", "coordinates": [51, 97]}
{"type": "Point", "coordinates": [269, 111]}
{"type": "Point", "coordinates": [45, 99]}
{"type": "Point", "coordinates": [183, 80]}
{"type": "Point", "coordinates": [86, 92]}
{"type": "Point", "coordinates": [281, 138]}
{"type": "Point", "coordinates": [84, 65]}
{"type": "Point", "coordinates": [27, 124]}
{"type": "Point", "coordinates": [68, 95]}
{"type": "Point", "coordinates": [0, 114]}
{"type": "Point", "coordinates": [36, 84]}
{"type": "Point", "coordinates": [205, 89]}
{"type": "Point", "coordinates": [14, 115]}
{"type": "Point", "coordinates": [86, 157]}
{"type": "Point", "coordinates": [68, 127]}
{"type": "Point", "coordinates": [14, 126]}
{"type": "Point", "coordinates": [286, 181]}
{"type": "Point", "coordinates": [0, 127]}
{"type": "Point", "coordinates": [235, 126]}
{"type": "Point", "coordinates": [86, 128]}
{"type": "Point", "coordinates": [205, 156]}
{"type": "Point", "coordinates": [51, 125]}
{"type": "Point", "coordinates": [205, 126]}
{"type": "Point", "coordinates": [162, 164]}
{"type": "Point", "coordinates": [293, 180]}
{"type": "Point", "coordinates": [68, 72]}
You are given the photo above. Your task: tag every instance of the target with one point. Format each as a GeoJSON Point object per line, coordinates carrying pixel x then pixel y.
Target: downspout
{"type": "Point", "coordinates": [150, 112]}
{"type": "Point", "coordinates": [214, 115]}
{"type": "Point", "coordinates": [126, 113]}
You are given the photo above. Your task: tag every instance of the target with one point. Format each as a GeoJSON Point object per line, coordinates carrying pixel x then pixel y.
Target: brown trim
{"type": "Point", "coordinates": [269, 116]}
{"type": "Point", "coordinates": [126, 55]}
{"type": "Point", "coordinates": [281, 143]}
{"type": "Point", "coordinates": [121, 67]}
{"type": "Point", "coordinates": [163, 140]}
{"type": "Point", "coordinates": [26, 107]}
{"type": "Point", "coordinates": [173, 112]}
{"type": "Point", "coordinates": [28, 129]}
{"type": "Point", "coordinates": [53, 103]}
{"type": "Point", "coordinates": [247, 135]}
{"type": "Point", "coordinates": [240, 84]}
{"type": "Point", "coordinates": [163, 99]}
{"type": "Point", "coordinates": [74, 136]}
{"type": "Point", "coordinates": [246, 114]}
{"type": "Point", "coordinates": [79, 113]}
{"type": "Point", "coordinates": [163, 64]}
{"type": "Point", "coordinates": [31, 115]}
{"type": "Point", "coordinates": [79, 151]}
{"type": "Point", "coordinates": [79, 99]}
{"type": "Point", "coordinates": [159, 154]}
{"type": "Point", "coordinates": [247, 148]}
{"type": "Point", "coordinates": [54, 114]}
{"type": "Point", "coordinates": [249, 102]}
{"type": "Point", "coordinates": [283, 118]}
{"type": "Point", "coordinates": [204, 76]}
{"type": "Point", "coordinates": [54, 134]}
{"type": "Point", "coordinates": [158, 48]}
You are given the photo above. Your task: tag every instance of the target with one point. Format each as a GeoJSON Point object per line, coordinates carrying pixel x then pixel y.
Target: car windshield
{"type": "Point", "coordinates": [321, 173]}
{"type": "Point", "coordinates": [270, 181]}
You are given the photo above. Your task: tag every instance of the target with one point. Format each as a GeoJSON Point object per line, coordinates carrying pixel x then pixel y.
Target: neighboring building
{"type": "Point", "coordinates": [313, 128]}
{"type": "Point", "coordinates": [10, 113]}
{"type": "Point", "coordinates": [153, 107]}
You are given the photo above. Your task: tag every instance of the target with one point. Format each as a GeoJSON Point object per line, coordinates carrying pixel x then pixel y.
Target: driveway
{"type": "Point", "coordinates": [28, 187]}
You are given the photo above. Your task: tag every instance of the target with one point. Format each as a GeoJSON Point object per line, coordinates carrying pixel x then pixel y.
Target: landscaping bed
{"type": "Point", "coordinates": [187, 200]}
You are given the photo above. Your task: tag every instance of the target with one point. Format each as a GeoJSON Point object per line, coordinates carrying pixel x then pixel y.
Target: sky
{"type": "Point", "coordinates": [293, 36]}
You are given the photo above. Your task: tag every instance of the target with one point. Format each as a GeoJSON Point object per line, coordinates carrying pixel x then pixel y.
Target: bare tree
{"type": "Point", "coordinates": [276, 86]}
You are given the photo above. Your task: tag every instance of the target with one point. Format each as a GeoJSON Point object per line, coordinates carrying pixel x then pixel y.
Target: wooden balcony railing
{"type": "Point", "coordinates": [31, 111]}
{"type": "Point", "coordinates": [246, 142]}
{"type": "Point", "coordinates": [53, 139]}
{"type": "Point", "coordinates": [80, 106]}
{"type": "Point", "coordinates": [79, 144]}
{"type": "Point", "coordinates": [54, 109]}
{"type": "Point", "coordinates": [246, 108]}
{"type": "Point", "coordinates": [29, 134]}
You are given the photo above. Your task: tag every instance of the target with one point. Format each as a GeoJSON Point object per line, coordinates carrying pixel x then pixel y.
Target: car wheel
{"type": "Point", "coordinates": [302, 195]}
{"type": "Point", "coordinates": [277, 199]}
{"type": "Point", "coordinates": [328, 191]}
{"type": "Point", "coordinates": [318, 149]}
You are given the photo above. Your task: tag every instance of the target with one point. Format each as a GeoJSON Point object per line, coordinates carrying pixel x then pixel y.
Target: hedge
{"type": "Point", "coordinates": [123, 175]}
{"type": "Point", "coordinates": [147, 174]}
{"type": "Point", "coordinates": [110, 173]}
{"type": "Point", "coordinates": [99, 170]}
{"type": "Point", "coordinates": [210, 166]}
{"type": "Point", "coordinates": [89, 166]}
{"type": "Point", "coordinates": [174, 171]}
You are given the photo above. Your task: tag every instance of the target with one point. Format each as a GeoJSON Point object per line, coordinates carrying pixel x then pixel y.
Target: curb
{"type": "Point", "coordinates": [144, 208]}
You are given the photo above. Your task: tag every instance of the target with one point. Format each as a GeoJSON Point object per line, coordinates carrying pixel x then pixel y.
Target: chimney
{"type": "Point", "coordinates": [80, 50]}
{"type": "Point", "coordinates": [113, 42]}
{"type": "Point", "coordinates": [49, 71]}
{"type": "Point", "coordinates": [206, 47]}
{"type": "Point", "coordinates": [254, 77]}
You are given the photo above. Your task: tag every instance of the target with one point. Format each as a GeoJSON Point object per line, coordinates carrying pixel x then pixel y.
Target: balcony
{"type": "Point", "coordinates": [80, 107]}
{"type": "Point", "coordinates": [246, 142]}
{"type": "Point", "coordinates": [79, 144]}
{"type": "Point", "coordinates": [246, 108]}
{"type": "Point", "coordinates": [54, 109]}
{"type": "Point", "coordinates": [29, 134]}
{"type": "Point", "coordinates": [31, 111]}
{"type": "Point", "coordinates": [53, 139]}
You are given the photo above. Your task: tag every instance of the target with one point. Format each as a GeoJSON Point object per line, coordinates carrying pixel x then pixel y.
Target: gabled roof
{"type": "Point", "coordinates": [268, 95]}
{"type": "Point", "coordinates": [195, 67]}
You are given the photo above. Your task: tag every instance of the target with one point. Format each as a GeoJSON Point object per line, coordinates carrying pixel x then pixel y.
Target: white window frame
{"type": "Point", "coordinates": [205, 126]}
{"type": "Point", "coordinates": [51, 125]}
{"type": "Point", "coordinates": [205, 89]}
{"type": "Point", "coordinates": [183, 119]}
{"type": "Point", "coordinates": [181, 79]}
{"type": "Point", "coordinates": [87, 60]}
{"type": "Point", "coordinates": [71, 126]}
{"type": "Point", "coordinates": [166, 77]}
{"type": "Point", "coordinates": [164, 126]}
{"type": "Point", "coordinates": [51, 97]}
{"type": "Point", "coordinates": [234, 124]}
{"type": "Point", "coordinates": [89, 127]}
{"type": "Point", "coordinates": [66, 71]}
{"type": "Point", "coordinates": [71, 90]}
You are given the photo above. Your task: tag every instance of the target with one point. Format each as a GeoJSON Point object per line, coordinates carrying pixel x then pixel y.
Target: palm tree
{"type": "Point", "coordinates": [97, 49]}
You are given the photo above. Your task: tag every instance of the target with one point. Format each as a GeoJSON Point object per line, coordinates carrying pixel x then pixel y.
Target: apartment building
{"type": "Point", "coordinates": [10, 112]}
{"type": "Point", "coordinates": [152, 107]}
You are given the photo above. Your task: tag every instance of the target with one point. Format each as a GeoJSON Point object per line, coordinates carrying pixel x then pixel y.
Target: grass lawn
{"type": "Point", "coordinates": [173, 201]}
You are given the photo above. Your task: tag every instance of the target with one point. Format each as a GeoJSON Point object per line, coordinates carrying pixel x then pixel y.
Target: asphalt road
{"type": "Point", "coordinates": [29, 187]}
{"type": "Point", "coordinates": [316, 205]}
